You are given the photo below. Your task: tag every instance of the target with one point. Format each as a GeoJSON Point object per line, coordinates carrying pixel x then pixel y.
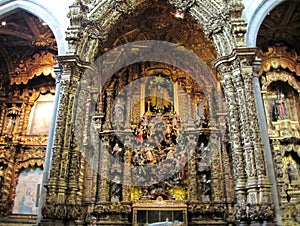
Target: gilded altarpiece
{"type": "Point", "coordinates": [158, 141]}
{"type": "Point", "coordinates": [23, 137]}
{"type": "Point", "coordinates": [110, 137]}
{"type": "Point", "coordinates": [280, 90]}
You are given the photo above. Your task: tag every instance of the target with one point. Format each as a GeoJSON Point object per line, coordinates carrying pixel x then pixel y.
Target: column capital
{"type": "Point", "coordinates": [238, 57]}
{"type": "Point", "coordinates": [73, 60]}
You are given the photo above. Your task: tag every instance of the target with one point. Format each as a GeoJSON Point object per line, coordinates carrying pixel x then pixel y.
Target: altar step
{"type": "Point", "coordinates": [19, 220]}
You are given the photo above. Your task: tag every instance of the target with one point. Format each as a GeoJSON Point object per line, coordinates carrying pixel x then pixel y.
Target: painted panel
{"type": "Point", "coordinates": [28, 191]}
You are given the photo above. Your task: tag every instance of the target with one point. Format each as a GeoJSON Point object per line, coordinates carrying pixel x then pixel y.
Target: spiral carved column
{"type": "Point", "coordinates": [235, 136]}
{"type": "Point", "coordinates": [62, 185]}
{"type": "Point", "coordinates": [103, 187]}
{"type": "Point", "coordinates": [237, 82]}
{"type": "Point", "coordinates": [192, 166]}
{"type": "Point", "coordinates": [246, 138]}
{"type": "Point", "coordinates": [109, 99]}
{"type": "Point", "coordinates": [126, 175]}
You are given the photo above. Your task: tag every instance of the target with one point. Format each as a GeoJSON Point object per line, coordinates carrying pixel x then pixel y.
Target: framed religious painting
{"type": "Point", "coordinates": [40, 116]}
{"type": "Point", "coordinates": [28, 191]}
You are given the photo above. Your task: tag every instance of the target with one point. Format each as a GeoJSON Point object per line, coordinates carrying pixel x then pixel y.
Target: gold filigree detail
{"type": "Point", "coordinates": [40, 64]}
{"type": "Point", "coordinates": [178, 193]}
{"type": "Point", "coordinates": [278, 57]}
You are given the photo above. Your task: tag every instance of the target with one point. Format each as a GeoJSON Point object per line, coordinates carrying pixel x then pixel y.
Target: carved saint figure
{"type": "Point", "coordinates": [117, 151]}
{"type": "Point", "coordinates": [292, 172]}
{"type": "Point", "coordinates": [205, 188]}
{"type": "Point", "coordinates": [200, 110]}
{"type": "Point", "coordinates": [10, 125]}
{"type": "Point", "coordinates": [116, 189]}
{"type": "Point", "coordinates": [160, 99]}
{"type": "Point", "coordinates": [281, 107]}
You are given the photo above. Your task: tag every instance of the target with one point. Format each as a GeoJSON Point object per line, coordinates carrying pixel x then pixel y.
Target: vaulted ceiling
{"type": "Point", "coordinates": [22, 37]}
{"type": "Point", "coordinates": [158, 20]}
{"type": "Point", "coordinates": [281, 26]}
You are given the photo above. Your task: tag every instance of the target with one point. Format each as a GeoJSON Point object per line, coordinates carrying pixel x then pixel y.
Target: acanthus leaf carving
{"type": "Point", "coordinates": [122, 6]}
{"type": "Point", "coordinates": [217, 22]}
{"type": "Point", "coordinates": [182, 5]}
{"type": "Point", "coordinates": [39, 64]}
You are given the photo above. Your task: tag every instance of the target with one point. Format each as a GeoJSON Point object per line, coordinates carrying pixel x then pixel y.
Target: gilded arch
{"type": "Point", "coordinates": [99, 18]}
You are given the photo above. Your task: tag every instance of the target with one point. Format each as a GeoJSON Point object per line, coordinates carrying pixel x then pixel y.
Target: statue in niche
{"type": "Point", "coordinates": [117, 153]}
{"type": "Point", "coordinates": [11, 117]}
{"type": "Point", "coordinates": [160, 99]}
{"type": "Point", "coordinates": [279, 108]}
{"type": "Point", "coordinates": [203, 157]}
{"type": "Point", "coordinates": [292, 171]}
{"type": "Point", "coordinates": [9, 128]}
{"type": "Point", "coordinates": [200, 111]}
{"type": "Point", "coordinates": [205, 188]}
{"type": "Point", "coordinates": [115, 189]}
{"type": "Point", "coordinates": [118, 116]}
{"type": "Point", "coordinates": [159, 90]}
{"type": "Point", "coordinates": [180, 166]}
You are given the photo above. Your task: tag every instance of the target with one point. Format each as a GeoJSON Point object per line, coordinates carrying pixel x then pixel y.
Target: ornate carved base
{"type": "Point", "coordinates": [51, 222]}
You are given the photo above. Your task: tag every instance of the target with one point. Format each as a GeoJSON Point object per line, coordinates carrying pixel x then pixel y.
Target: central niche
{"type": "Point", "coordinates": [154, 116]}
{"type": "Point", "coordinates": [159, 94]}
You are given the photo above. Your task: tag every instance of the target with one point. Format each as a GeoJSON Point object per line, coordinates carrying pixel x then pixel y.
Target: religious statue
{"type": "Point", "coordinates": [115, 189]}
{"type": "Point", "coordinates": [279, 108]}
{"type": "Point", "coordinates": [160, 99]}
{"type": "Point", "coordinates": [10, 124]}
{"type": "Point", "coordinates": [292, 172]}
{"type": "Point", "coordinates": [200, 112]}
{"type": "Point", "coordinates": [93, 221]}
{"type": "Point", "coordinates": [205, 182]}
{"type": "Point", "coordinates": [117, 152]}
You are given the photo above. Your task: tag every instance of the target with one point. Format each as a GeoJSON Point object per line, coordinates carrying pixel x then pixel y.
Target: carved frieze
{"type": "Point", "coordinates": [254, 212]}
{"type": "Point", "coordinates": [111, 208]}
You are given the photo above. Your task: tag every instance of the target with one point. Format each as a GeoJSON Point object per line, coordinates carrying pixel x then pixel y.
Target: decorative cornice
{"type": "Point", "coordinates": [71, 60]}
{"type": "Point", "coordinates": [237, 54]}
